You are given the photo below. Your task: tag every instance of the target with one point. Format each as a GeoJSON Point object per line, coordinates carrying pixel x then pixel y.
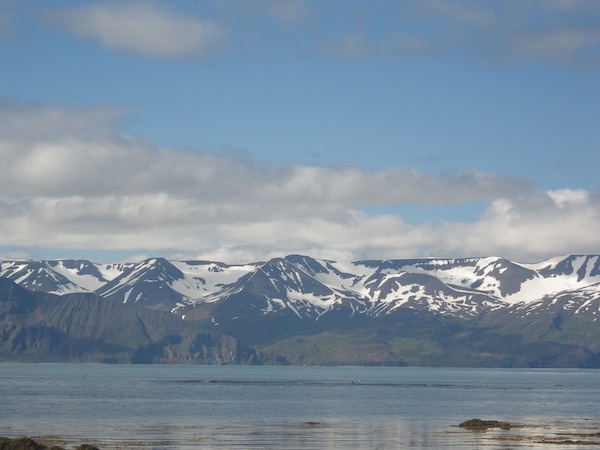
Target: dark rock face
{"type": "Point", "coordinates": [200, 348]}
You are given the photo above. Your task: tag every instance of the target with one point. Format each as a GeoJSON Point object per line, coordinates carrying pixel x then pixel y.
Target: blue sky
{"type": "Point", "coordinates": [240, 130]}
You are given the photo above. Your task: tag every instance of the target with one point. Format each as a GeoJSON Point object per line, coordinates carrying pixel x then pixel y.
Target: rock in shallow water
{"type": "Point", "coordinates": [25, 443]}
{"type": "Point", "coordinates": [478, 424]}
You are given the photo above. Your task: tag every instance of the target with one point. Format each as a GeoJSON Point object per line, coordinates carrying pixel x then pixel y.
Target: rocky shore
{"type": "Point", "coordinates": [25, 443]}
{"type": "Point", "coordinates": [533, 434]}
{"type": "Point", "coordinates": [472, 433]}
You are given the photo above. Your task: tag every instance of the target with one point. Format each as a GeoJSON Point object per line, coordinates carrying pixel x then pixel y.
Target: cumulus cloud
{"type": "Point", "coordinates": [145, 27]}
{"type": "Point", "coordinates": [53, 152]}
{"type": "Point", "coordinates": [526, 228]}
{"type": "Point", "coordinates": [64, 186]}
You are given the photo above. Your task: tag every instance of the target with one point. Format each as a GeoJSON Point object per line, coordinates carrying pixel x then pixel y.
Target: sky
{"type": "Point", "coordinates": [241, 130]}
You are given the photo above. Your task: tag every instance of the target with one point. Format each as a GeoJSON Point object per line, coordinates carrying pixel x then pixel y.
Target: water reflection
{"type": "Point", "coordinates": [369, 434]}
{"type": "Point", "coordinates": [330, 434]}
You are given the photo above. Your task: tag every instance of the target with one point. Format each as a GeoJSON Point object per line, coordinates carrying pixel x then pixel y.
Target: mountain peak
{"type": "Point", "coordinates": [448, 286]}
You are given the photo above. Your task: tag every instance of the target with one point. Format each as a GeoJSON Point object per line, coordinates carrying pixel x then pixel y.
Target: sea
{"type": "Point", "coordinates": [288, 407]}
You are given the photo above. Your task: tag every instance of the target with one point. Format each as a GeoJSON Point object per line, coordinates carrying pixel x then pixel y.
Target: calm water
{"type": "Point", "coordinates": [185, 407]}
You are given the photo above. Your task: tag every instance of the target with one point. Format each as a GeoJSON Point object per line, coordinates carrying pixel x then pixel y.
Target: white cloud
{"type": "Point", "coordinates": [569, 197]}
{"type": "Point", "coordinates": [53, 152]}
{"type": "Point", "coordinates": [63, 186]}
{"type": "Point", "coordinates": [532, 227]}
{"type": "Point", "coordinates": [144, 27]}
{"type": "Point", "coordinates": [17, 121]}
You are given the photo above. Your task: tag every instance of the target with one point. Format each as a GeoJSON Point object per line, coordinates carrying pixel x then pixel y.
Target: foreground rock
{"type": "Point", "coordinates": [478, 424]}
{"type": "Point", "coordinates": [29, 444]}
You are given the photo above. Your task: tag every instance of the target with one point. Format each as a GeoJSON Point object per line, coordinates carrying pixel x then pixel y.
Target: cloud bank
{"type": "Point", "coordinates": [70, 180]}
{"type": "Point", "coordinates": [550, 31]}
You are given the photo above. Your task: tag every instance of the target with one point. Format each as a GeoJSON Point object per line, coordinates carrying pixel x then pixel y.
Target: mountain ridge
{"type": "Point", "coordinates": [461, 284]}
{"type": "Point", "coordinates": [486, 311]}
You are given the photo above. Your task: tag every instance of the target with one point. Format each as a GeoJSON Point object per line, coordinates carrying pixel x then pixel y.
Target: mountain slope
{"type": "Point", "coordinates": [45, 327]}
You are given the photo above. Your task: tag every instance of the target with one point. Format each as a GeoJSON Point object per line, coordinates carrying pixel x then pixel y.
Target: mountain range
{"type": "Point", "coordinates": [485, 311]}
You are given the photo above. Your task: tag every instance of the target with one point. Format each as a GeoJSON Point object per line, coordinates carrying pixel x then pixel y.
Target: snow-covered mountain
{"type": "Point", "coordinates": [311, 288]}
{"type": "Point", "coordinates": [485, 311]}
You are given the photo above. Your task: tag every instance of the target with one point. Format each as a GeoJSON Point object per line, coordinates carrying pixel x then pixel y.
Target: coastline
{"type": "Point", "coordinates": [551, 433]}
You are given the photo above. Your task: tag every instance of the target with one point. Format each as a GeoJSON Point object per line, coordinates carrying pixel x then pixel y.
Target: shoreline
{"type": "Point", "coordinates": [551, 433]}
